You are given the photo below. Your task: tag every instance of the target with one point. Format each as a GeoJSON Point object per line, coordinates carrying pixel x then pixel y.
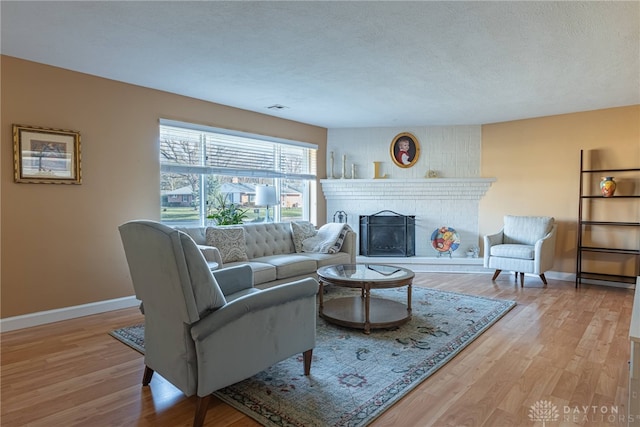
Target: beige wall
{"type": "Point", "coordinates": [59, 243]}
{"type": "Point", "coordinates": [537, 163]}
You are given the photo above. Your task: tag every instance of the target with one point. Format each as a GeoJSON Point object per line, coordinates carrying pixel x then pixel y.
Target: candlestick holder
{"type": "Point", "coordinates": [344, 167]}
{"type": "Point", "coordinates": [331, 175]}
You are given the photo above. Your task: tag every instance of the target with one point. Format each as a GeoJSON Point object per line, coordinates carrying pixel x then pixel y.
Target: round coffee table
{"type": "Point", "coordinates": [365, 312]}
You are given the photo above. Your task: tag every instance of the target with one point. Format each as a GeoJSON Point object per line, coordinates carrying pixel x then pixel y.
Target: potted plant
{"type": "Point", "coordinates": [225, 212]}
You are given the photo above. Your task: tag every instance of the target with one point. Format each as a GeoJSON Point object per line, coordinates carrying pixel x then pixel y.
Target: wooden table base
{"type": "Point", "coordinates": [351, 312]}
{"type": "Point", "coordinates": [364, 311]}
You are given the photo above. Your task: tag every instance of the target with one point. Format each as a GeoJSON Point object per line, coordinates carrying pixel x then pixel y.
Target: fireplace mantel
{"type": "Point", "coordinates": [435, 202]}
{"type": "Point", "coordinates": [414, 189]}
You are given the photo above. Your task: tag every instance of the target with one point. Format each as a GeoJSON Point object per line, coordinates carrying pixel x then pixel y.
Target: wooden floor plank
{"type": "Point", "coordinates": [560, 344]}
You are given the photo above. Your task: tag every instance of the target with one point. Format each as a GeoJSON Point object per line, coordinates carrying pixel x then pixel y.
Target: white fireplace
{"type": "Point", "coordinates": [435, 202]}
{"type": "Point", "coordinates": [452, 153]}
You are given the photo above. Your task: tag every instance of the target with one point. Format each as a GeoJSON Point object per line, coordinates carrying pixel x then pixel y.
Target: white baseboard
{"type": "Point", "coordinates": [559, 275]}
{"type": "Point", "coordinates": [444, 264]}
{"type": "Point", "coordinates": [419, 264]}
{"type": "Point", "coordinates": [623, 285]}
{"type": "Point", "coordinates": [571, 277]}
{"type": "Point", "coordinates": [50, 316]}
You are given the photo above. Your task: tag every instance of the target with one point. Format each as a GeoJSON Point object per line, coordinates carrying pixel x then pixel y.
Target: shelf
{"type": "Point", "coordinates": [610, 250]}
{"type": "Point", "coordinates": [609, 170]}
{"type": "Point", "coordinates": [607, 277]}
{"type": "Point", "coordinates": [615, 223]}
{"type": "Point", "coordinates": [583, 223]}
{"type": "Point", "coordinates": [436, 189]}
{"type": "Point", "coordinates": [610, 198]}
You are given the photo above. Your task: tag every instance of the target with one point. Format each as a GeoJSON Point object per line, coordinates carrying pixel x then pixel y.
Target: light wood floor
{"type": "Point", "coordinates": [562, 345]}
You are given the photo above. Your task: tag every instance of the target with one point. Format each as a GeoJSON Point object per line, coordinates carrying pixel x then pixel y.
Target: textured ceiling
{"type": "Point", "coordinates": [349, 64]}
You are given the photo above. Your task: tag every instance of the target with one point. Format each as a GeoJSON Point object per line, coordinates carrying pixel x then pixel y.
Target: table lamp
{"type": "Point", "coordinates": [266, 196]}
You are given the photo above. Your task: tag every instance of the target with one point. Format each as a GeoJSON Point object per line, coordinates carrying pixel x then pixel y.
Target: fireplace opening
{"type": "Point", "coordinates": [387, 233]}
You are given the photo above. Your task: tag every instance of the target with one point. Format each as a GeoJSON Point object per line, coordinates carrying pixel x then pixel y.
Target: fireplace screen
{"type": "Point", "coordinates": [387, 233]}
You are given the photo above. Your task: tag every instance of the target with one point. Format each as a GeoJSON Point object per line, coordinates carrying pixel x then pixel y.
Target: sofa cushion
{"type": "Point", "coordinates": [513, 251]}
{"type": "Point", "coordinates": [262, 272]}
{"type": "Point", "coordinates": [290, 265]}
{"type": "Point", "coordinates": [301, 230]}
{"type": "Point", "coordinates": [268, 238]}
{"type": "Point", "coordinates": [230, 241]}
{"type": "Point", "coordinates": [329, 259]}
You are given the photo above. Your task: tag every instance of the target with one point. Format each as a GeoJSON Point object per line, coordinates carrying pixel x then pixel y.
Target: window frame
{"type": "Point", "coordinates": [278, 175]}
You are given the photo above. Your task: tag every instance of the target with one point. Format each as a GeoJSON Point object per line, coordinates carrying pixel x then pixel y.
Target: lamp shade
{"type": "Point", "coordinates": [266, 195]}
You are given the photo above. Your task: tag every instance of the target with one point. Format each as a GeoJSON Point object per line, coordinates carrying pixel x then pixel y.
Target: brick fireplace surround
{"type": "Point", "coordinates": [435, 202]}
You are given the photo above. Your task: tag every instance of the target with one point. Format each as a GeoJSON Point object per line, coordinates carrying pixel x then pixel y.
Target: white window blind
{"type": "Point", "coordinates": [199, 150]}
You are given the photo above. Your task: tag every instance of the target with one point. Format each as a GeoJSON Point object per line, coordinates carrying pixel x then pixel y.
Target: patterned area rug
{"type": "Point", "coordinates": [356, 377]}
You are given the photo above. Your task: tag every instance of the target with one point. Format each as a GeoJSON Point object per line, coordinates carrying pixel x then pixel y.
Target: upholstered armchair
{"type": "Point", "coordinates": [526, 244]}
{"type": "Point", "coordinates": [206, 330]}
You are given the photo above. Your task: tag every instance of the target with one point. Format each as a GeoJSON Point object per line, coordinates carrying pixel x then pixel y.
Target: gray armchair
{"type": "Point", "coordinates": [526, 244]}
{"type": "Point", "coordinates": [206, 330]}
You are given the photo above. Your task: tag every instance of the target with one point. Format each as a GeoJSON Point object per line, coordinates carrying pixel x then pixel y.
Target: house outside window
{"type": "Point", "coordinates": [200, 165]}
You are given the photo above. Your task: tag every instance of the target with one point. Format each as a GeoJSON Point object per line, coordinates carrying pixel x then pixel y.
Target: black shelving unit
{"type": "Point", "coordinates": [583, 223]}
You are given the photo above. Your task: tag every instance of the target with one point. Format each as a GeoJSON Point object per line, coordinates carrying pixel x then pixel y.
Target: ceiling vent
{"type": "Point", "coordinates": [277, 107]}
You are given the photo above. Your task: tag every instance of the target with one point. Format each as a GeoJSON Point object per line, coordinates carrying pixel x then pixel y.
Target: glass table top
{"type": "Point", "coordinates": [365, 272]}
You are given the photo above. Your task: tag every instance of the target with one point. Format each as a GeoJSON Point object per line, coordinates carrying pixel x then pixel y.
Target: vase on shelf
{"type": "Point", "coordinates": [607, 186]}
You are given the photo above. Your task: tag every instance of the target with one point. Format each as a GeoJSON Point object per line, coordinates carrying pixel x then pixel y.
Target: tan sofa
{"type": "Point", "coordinates": [271, 253]}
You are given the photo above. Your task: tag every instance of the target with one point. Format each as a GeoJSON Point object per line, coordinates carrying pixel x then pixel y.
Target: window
{"type": "Point", "coordinates": [200, 167]}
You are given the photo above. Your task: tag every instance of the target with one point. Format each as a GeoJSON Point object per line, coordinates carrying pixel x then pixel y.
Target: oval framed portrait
{"type": "Point", "coordinates": [405, 150]}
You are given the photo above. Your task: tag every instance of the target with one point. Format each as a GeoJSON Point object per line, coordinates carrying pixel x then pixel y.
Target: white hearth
{"type": "Point", "coordinates": [435, 202]}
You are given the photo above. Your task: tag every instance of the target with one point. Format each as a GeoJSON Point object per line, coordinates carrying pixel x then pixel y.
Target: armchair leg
{"type": "Point", "coordinates": [521, 280]}
{"type": "Point", "coordinates": [307, 356]}
{"type": "Point", "coordinates": [544, 279]}
{"type": "Point", "coordinates": [495, 275]}
{"type": "Point", "coordinates": [146, 378]}
{"type": "Point", "coordinates": [201, 410]}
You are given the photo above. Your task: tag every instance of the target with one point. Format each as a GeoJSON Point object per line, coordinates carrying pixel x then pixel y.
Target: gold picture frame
{"type": "Point", "coordinates": [46, 155]}
{"type": "Point", "coordinates": [405, 150]}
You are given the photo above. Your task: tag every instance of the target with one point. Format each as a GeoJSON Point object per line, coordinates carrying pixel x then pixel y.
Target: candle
{"type": "Point", "coordinates": [353, 171]}
{"type": "Point", "coordinates": [331, 165]}
{"type": "Point", "coordinates": [344, 165]}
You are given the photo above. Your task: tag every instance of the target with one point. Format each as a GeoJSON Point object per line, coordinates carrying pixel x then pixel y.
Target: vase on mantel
{"type": "Point", "coordinates": [607, 186]}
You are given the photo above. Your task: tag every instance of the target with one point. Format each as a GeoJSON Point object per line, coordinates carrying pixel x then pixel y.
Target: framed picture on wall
{"type": "Point", "coordinates": [405, 150]}
{"type": "Point", "coordinates": [46, 156]}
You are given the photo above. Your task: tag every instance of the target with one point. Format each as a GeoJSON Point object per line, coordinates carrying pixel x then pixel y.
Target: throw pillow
{"type": "Point", "coordinates": [301, 230]}
{"type": "Point", "coordinates": [230, 242]}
